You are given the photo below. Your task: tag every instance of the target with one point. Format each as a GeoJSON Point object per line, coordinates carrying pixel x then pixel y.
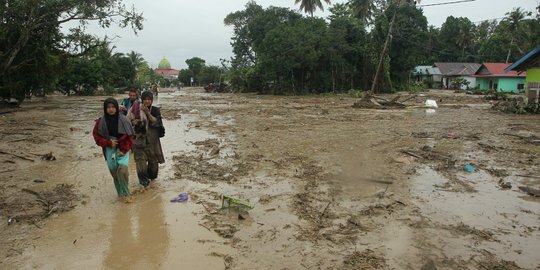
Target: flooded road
{"type": "Point", "coordinates": [332, 187]}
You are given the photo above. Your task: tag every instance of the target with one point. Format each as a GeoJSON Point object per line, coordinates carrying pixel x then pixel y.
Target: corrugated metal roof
{"type": "Point", "coordinates": [532, 57]}
{"type": "Point", "coordinates": [456, 69]}
{"type": "Point", "coordinates": [427, 70]}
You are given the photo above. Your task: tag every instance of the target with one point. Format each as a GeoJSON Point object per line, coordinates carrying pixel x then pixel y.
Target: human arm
{"type": "Point", "coordinates": [151, 118]}
{"type": "Point", "coordinates": [100, 140]}
{"type": "Point", "coordinates": [125, 142]}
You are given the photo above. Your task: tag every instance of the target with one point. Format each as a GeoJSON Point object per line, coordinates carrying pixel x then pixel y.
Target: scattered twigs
{"type": "Point", "coordinates": [15, 155]}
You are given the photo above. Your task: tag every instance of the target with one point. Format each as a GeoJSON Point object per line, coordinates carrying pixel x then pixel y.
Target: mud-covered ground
{"type": "Point", "coordinates": [333, 187]}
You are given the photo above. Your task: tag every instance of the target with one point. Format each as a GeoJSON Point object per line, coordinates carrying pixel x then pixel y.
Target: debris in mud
{"type": "Point", "coordinates": [531, 191]}
{"type": "Point", "coordinates": [516, 105]}
{"type": "Point", "coordinates": [380, 208]}
{"type": "Point", "coordinates": [207, 144]}
{"type": "Point", "coordinates": [465, 230]}
{"type": "Point", "coordinates": [214, 151]}
{"type": "Point", "coordinates": [17, 156]}
{"type": "Point", "coordinates": [182, 197]}
{"type": "Point", "coordinates": [223, 223]}
{"type": "Point", "coordinates": [505, 185]}
{"type": "Point", "coordinates": [533, 139]}
{"type": "Point", "coordinates": [366, 260]}
{"type": "Point", "coordinates": [429, 265]}
{"type": "Point", "coordinates": [36, 206]}
{"type": "Point", "coordinates": [227, 201]}
{"type": "Point", "coordinates": [375, 102]}
{"type": "Point", "coordinates": [49, 156]}
{"type": "Point", "coordinates": [490, 261]}
{"type": "Point", "coordinates": [264, 199]}
{"type": "Point", "coordinates": [469, 168]}
{"type": "Point", "coordinates": [198, 169]}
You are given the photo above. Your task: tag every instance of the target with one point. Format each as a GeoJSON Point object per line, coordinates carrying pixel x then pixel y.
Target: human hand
{"type": "Point", "coordinates": [145, 109]}
{"type": "Point", "coordinates": [114, 143]}
{"type": "Point", "coordinates": [121, 154]}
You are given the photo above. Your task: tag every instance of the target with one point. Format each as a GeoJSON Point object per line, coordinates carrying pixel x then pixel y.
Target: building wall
{"type": "Point", "coordinates": [483, 83]}
{"type": "Point", "coordinates": [471, 80]}
{"type": "Point", "coordinates": [510, 84]}
{"type": "Point", "coordinates": [504, 84]}
{"type": "Point", "coordinates": [533, 77]}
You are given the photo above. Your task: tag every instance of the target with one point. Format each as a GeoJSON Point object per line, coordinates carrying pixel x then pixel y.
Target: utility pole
{"type": "Point", "coordinates": [383, 53]}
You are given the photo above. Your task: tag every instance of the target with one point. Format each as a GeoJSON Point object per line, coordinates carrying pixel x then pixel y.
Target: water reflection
{"type": "Point", "coordinates": [139, 236]}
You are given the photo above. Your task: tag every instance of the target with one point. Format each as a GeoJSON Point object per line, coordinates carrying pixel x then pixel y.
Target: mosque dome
{"type": "Point", "coordinates": [164, 64]}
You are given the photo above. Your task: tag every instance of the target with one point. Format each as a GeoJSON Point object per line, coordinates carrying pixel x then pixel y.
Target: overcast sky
{"type": "Point", "coordinates": [179, 29]}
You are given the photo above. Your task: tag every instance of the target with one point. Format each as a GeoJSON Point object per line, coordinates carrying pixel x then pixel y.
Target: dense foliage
{"type": "Point", "coordinates": [35, 49]}
{"type": "Point", "coordinates": [279, 51]}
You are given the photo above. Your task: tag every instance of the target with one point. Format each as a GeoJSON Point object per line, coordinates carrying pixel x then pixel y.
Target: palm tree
{"type": "Point", "coordinates": [136, 58]}
{"type": "Point", "coordinates": [310, 6]}
{"type": "Point", "coordinates": [464, 38]}
{"type": "Point", "coordinates": [513, 20]}
{"type": "Point", "coordinates": [363, 9]}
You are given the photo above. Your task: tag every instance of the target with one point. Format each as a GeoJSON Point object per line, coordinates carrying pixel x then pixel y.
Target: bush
{"type": "Point", "coordinates": [494, 95]}
{"type": "Point", "coordinates": [416, 87]}
{"type": "Point", "coordinates": [355, 93]}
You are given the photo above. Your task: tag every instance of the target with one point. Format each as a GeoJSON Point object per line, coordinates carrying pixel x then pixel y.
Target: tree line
{"type": "Point", "coordinates": [275, 50]}
{"type": "Point", "coordinates": [279, 51]}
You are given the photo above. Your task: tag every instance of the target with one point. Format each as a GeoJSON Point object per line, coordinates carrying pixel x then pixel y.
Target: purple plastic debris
{"type": "Point", "coordinates": [182, 197]}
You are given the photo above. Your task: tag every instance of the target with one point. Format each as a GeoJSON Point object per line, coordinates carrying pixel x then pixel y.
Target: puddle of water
{"type": "Point", "coordinates": [489, 208]}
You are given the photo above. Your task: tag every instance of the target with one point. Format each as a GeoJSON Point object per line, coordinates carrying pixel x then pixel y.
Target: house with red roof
{"type": "Point", "coordinates": [164, 70]}
{"type": "Point", "coordinates": [491, 76]}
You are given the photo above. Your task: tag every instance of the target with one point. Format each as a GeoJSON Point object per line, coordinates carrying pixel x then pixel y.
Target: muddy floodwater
{"type": "Point", "coordinates": [332, 187]}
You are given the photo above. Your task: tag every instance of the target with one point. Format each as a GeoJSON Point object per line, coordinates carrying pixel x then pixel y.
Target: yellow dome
{"type": "Point", "coordinates": [164, 64]}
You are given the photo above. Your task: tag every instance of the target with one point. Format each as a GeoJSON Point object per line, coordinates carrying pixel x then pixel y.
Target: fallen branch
{"type": "Point", "coordinates": [515, 135]}
{"type": "Point", "coordinates": [324, 211]}
{"type": "Point", "coordinates": [530, 191]}
{"type": "Point", "coordinates": [410, 154]}
{"type": "Point", "coordinates": [529, 176]}
{"type": "Point", "coordinates": [409, 98]}
{"type": "Point", "coordinates": [205, 227]}
{"type": "Point", "coordinates": [15, 155]}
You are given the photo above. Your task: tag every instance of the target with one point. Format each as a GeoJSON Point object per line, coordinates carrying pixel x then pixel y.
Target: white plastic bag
{"type": "Point", "coordinates": [430, 103]}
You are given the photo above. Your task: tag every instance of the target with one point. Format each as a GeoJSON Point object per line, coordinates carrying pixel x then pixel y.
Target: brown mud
{"type": "Point", "coordinates": [334, 187]}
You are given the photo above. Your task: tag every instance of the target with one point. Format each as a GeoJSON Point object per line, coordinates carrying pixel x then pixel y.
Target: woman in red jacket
{"type": "Point", "coordinates": [113, 132]}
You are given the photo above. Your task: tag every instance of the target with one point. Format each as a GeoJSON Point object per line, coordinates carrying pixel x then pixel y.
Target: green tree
{"type": "Point", "coordinates": [407, 46]}
{"type": "Point", "coordinates": [310, 6]}
{"type": "Point", "coordinates": [31, 40]}
{"type": "Point", "coordinates": [195, 64]}
{"type": "Point", "coordinates": [513, 22]}
{"type": "Point", "coordinates": [136, 59]}
{"type": "Point", "coordinates": [185, 76]}
{"type": "Point", "coordinates": [210, 74]}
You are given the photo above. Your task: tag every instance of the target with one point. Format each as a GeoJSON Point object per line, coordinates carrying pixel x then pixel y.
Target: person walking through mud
{"type": "Point", "coordinates": [114, 133]}
{"type": "Point", "coordinates": [126, 103]}
{"type": "Point", "coordinates": [148, 126]}
{"type": "Point", "coordinates": [155, 90]}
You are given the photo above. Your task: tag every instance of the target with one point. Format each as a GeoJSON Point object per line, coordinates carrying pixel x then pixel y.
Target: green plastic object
{"type": "Point", "coordinates": [227, 201]}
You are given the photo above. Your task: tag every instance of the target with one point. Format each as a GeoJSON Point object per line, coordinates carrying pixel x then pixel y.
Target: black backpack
{"type": "Point", "coordinates": [161, 131]}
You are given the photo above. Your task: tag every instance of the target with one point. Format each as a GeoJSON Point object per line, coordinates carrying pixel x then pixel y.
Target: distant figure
{"type": "Point", "coordinates": [148, 126]}
{"type": "Point", "coordinates": [155, 90]}
{"type": "Point", "coordinates": [113, 132]}
{"type": "Point", "coordinates": [126, 103]}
